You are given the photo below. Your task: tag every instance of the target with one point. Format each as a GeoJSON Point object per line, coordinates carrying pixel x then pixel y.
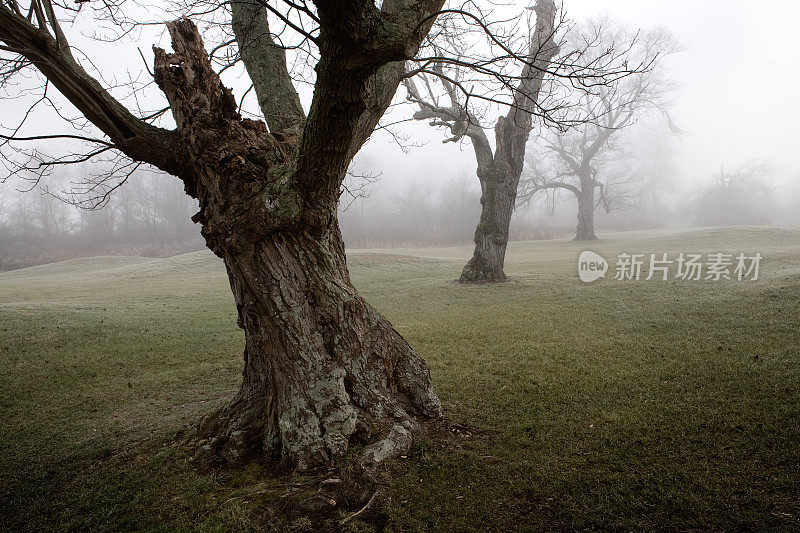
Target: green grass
{"type": "Point", "coordinates": [615, 405]}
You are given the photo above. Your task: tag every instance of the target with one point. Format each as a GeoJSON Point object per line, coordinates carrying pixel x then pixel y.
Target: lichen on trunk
{"type": "Point", "coordinates": [321, 366]}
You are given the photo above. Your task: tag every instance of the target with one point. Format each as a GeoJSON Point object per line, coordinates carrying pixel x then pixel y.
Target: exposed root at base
{"type": "Point", "coordinates": [349, 517]}
{"type": "Point", "coordinates": [355, 493]}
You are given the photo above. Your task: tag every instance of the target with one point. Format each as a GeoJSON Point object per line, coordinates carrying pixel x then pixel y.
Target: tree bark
{"type": "Point", "coordinates": [585, 229]}
{"type": "Point", "coordinates": [498, 194]}
{"type": "Point", "coordinates": [322, 367]}
{"type": "Point", "coordinates": [499, 173]}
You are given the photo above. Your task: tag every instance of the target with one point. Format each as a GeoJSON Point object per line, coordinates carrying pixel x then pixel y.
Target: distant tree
{"type": "Point", "coordinates": [322, 368]}
{"type": "Point", "coordinates": [500, 167]}
{"type": "Point", "coordinates": [414, 203]}
{"type": "Point", "coordinates": [51, 215]}
{"type": "Point", "coordinates": [574, 160]}
{"type": "Point", "coordinates": [22, 216]}
{"type": "Point", "coordinates": [498, 170]}
{"type": "Point", "coordinates": [153, 210]}
{"type": "Point", "coordinates": [4, 211]}
{"type": "Point", "coordinates": [97, 227]}
{"type": "Point", "coordinates": [417, 213]}
{"type": "Point", "coordinates": [737, 198]}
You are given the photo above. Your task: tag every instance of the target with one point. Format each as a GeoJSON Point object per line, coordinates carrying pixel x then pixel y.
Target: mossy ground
{"type": "Point", "coordinates": [644, 405]}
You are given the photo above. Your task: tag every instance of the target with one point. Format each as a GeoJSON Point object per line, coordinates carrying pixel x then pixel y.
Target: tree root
{"type": "Point", "coordinates": [358, 513]}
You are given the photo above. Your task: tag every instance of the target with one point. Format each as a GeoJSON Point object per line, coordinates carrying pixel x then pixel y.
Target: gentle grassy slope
{"type": "Point", "coordinates": [649, 405]}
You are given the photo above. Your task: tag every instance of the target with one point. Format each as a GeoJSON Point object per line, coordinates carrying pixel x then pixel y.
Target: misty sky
{"type": "Point", "coordinates": [738, 75]}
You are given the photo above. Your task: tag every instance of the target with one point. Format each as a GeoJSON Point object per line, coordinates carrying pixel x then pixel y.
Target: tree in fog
{"type": "Point", "coordinates": [414, 203]}
{"type": "Point", "coordinates": [581, 159]}
{"type": "Point", "coordinates": [734, 198]}
{"type": "Point", "coordinates": [153, 210]}
{"type": "Point", "coordinates": [322, 367]}
{"type": "Point", "coordinates": [417, 213]}
{"type": "Point", "coordinates": [51, 215]}
{"type": "Point", "coordinates": [537, 90]}
{"type": "Point", "coordinates": [499, 169]}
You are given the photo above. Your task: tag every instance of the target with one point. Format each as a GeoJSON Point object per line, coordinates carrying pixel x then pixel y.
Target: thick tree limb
{"type": "Point", "coordinates": [556, 185]}
{"type": "Point", "coordinates": [374, 37]}
{"type": "Point", "coordinates": [355, 84]}
{"type": "Point", "coordinates": [512, 131]}
{"type": "Point", "coordinates": [266, 64]}
{"type": "Point", "coordinates": [131, 135]}
{"type": "Point", "coordinates": [456, 117]}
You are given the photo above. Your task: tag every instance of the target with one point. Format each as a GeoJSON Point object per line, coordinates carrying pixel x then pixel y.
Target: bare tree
{"type": "Point", "coordinates": [575, 160]}
{"type": "Point", "coordinates": [415, 214]}
{"type": "Point", "coordinates": [51, 215]}
{"type": "Point", "coordinates": [549, 73]}
{"type": "Point", "coordinates": [498, 169]}
{"type": "Point", "coordinates": [740, 197]}
{"type": "Point", "coordinates": [322, 366]}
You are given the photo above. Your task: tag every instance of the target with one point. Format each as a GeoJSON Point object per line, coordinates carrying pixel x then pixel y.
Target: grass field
{"type": "Point", "coordinates": [650, 405]}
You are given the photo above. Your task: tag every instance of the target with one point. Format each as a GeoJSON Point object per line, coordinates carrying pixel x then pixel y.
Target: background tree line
{"type": "Point", "coordinates": [150, 216]}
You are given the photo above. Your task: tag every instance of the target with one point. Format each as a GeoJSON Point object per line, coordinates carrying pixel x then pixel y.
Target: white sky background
{"type": "Point", "coordinates": [739, 75]}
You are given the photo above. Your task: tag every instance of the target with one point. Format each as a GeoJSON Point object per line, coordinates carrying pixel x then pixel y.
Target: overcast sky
{"type": "Point", "coordinates": [739, 75]}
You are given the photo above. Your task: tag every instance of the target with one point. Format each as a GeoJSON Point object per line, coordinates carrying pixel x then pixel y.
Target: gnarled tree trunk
{"type": "Point", "coordinates": [499, 173]}
{"type": "Point", "coordinates": [498, 194]}
{"type": "Point", "coordinates": [321, 366]}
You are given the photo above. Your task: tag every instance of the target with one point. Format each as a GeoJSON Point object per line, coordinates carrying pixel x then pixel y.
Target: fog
{"type": "Point", "coordinates": [730, 159]}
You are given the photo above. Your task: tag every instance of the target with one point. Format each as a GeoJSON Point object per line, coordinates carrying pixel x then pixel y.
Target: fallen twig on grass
{"type": "Point", "coordinates": [346, 519]}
